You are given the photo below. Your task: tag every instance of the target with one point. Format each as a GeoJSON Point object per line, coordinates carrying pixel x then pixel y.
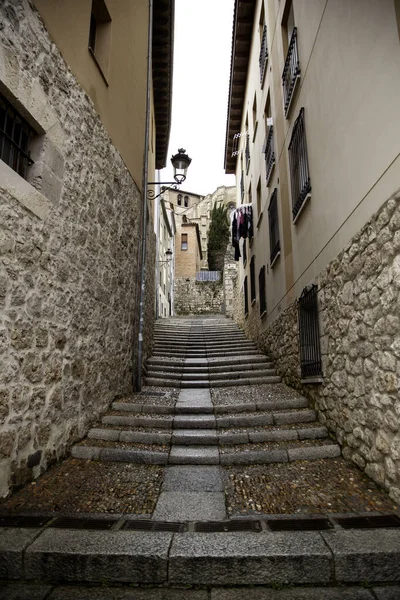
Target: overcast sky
{"type": "Point", "coordinates": [202, 54]}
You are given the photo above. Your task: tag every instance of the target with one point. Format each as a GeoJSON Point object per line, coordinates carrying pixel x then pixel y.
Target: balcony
{"type": "Point", "coordinates": [269, 154]}
{"type": "Point", "coordinates": [263, 59]}
{"type": "Point", "coordinates": [299, 172]}
{"type": "Point", "coordinates": [274, 241]}
{"type": "Point", "coordinates": [291, 72]}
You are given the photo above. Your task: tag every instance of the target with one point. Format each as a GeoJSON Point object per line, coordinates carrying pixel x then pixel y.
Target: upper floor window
{"type": "Point", "coordinates": [299, 172]}
{"type": "Point", "coordinates": [186, 201]}
{"type": "Point", "coordinates": [15, 136]}
{"type": "Point", "coordinates": [269, 146]}
{"type": "Point", "coordinates": [244, 251]}
{"type": "Point", "coordinates": [179, 199]}
{"type": "Point", "coordinates": [252, 279]}
{"type": "Point", "coordinates": [291, 71]}
{"type": "Point", "coordinates": [246, 297]}
{"type": "Point", "coordinates": [261, 288]}
{"type": "Point", "coordinates": [100, 35]}
{"type": "Point", "coordinates": [263, 58]}
{"type": "Point", "coordinates": [310, 347]}
{"type": "Point", "coordinates": [184, 241]}
{"type": "Point", "coordinates": [274, 242]}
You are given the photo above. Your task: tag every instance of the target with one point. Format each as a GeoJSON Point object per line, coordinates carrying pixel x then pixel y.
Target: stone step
{"type": "Point", "coordinates": [317, 565]}
{"type": "Point", "coordinates": [205, 421]}
{"type": "Point", "coordinates": [209, 436]}
{"type": "Point", "coordinates": [230, 375]}
{"type": "Point", "coordinates": [208, 354]}
{"type": "Point", "coordinates": [203, 348]}
{"type": "Point", "coordinates": [211, 364]}
{"type": "Point", "coordinates": [223, 368]}
{"type": "Point", "coordinates": [160, 381]}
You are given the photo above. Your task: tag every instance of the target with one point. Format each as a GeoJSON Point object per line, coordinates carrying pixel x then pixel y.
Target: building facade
{"type": "Point", "coordinates": [313, 136]}
{"type": "Point", "coordinates": [165, 261]}
{"type": "Point", "coordinates": [84, 116]}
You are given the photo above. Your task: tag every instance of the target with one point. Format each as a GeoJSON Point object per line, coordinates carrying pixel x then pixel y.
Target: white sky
{"type": "Point", "coordinates": [202, 54]}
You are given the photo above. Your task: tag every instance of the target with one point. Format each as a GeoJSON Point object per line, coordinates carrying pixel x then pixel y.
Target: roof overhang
{"type": "Point", "coordinates": [243, 20]}
{"type": "Point", "coordinates": [163, 53]}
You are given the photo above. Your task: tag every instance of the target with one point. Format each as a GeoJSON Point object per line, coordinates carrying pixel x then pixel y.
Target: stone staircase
{"type": "Point", "coordinates": [202, 353]}
{"type": "Point", "coordinates": [193, 430]}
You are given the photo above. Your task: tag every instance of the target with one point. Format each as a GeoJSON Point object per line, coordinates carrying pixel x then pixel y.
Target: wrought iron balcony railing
{"type": "Point", "coordinates": [269, 154]}
{"type": "Point", "coordinates": [263, 54]}
{"type": "Point", "coordinates": [291, 71]}
{"type": "Point", "coordinates": [299, 172]}
{"type": "Point", "coordinates": [15, 136]}
{"type": "Point", "coordinates": [274, 241]}
{"type": "Point", "coordinates": [261, 287]}
{"type": "Point", "coordinates": [247, 152]}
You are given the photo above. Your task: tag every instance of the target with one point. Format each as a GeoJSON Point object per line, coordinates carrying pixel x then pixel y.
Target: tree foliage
{"type": "Point", "coordinates": [218, 237]}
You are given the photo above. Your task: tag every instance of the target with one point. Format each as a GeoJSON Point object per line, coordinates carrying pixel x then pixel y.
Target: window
{"type": "Point", "coordinates": [291, 71]}
{"type": "Point", "coordinates": [244, 251]}
{"type": "Point", "coordinates": [15, 136]}
{"type": "Point", "coordinates": [263, 59]}
{"type": "Point", "coordinates": [100, 35]}
{"type": "Point", "coordinates": [310, 350]}
{"type": "Point", "coordinates": [179, 199]}
{"type": "Point", "coordinates": [246, 298]}
{"type": "Point", "coordinates": [269, 146]}
{"type": "Point", "coordinates": [255, 122]}
{"type": "Point", "coordinates": [247, 148]}
{"type": "Point", "coordinates": [184, 241]}
{"type": "Point", "coordinates": [242, 187]}
{"type": "Point", "coordinates": [186, 201]}
{"type": "Point", "coordinates": [261, 288]}
{"type": "Point", "coordinates": [252, 280]}
{"type": "Point", "coordinates": [274, 243]}
{"type": "Point", "coordinates": [299, 173]}
{"type": "Point", "coordinates": [259, 199]}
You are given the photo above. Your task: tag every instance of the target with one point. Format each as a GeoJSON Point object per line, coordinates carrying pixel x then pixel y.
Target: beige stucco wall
{"type": "Point", "coordinates": [121, 104]}
{"type": "Point", "coordinates": [350, 62]}
{"type": "Point", "coordinates": [187, 262]}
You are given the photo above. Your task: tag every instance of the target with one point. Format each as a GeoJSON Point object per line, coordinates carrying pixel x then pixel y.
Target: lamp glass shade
{"type": "Point", "coordinates": [180, 162]}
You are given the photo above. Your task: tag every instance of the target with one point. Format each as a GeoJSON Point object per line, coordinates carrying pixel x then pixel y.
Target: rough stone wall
{"type": "Point", "coordinates": [198, 297]}
{"type": "Point", "coordinates": [68, 275]}
{"type": "Point", "coordinates": [359, 302]}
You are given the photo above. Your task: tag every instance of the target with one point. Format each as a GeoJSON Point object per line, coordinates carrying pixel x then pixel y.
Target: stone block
{"type": "Point", "coordinates": [133, 456]}
{"type": "Point", "coordinates": [85, 452]}
{"type": "Point", "coordinates": [20, 591]}
{"type": "Point", "coordinates": [273, 436]}
{"type": "Point", "coordinates": [387, 593]}
{"type": "Point", "coordinates": [372, 556]}
{"type": "Point", "coordinates": [244, 421]}
{"type": "Point", "coordinates": [258, 457]}
{"type": "Point", "coordinates": [98, 556]}
{"type": "Point", "coordinates": [249, 559]}
{"type": "Point", "coordinates": [13, 543]}
{"type": "Point", "coordinates": [192, 479]}
{"type": "Point", "coordinates": [104, 434]}
{"type": "Point", "coordinates": [314, 452]}
{"type": "Point", "coordinates": [106, 593]}
{"type": "Point", "coordinates": [309, 593]}
{"type": "Point", "coordinates": [304, 416]}
{"type": "Point", "coordinates": [190, 506]}
{"type": "Point", "coordinates": [198, 455]}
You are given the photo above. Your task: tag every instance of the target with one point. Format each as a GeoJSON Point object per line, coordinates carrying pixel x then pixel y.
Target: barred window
{"type": "Point", "coordinates": [310, 350]}
{"type": "Point", "coordinates": [184, 241]}
{"type": "Point", "coordinates": [246, 297]}
{"type": "Point", "coordinates": [252, 280]}
{"type": "Point", "coordinates": [244, 252]}
{"type": "Point", "coordinates": [263, 54]}
{"type": "Point", "coordinates": [15, 136]}
{"type": "Point", "coordinates": [299, 172]}
{"type": "Point", "coordinates": [274, 242]}
{"type": "Point", "coordinates": [261, 287]}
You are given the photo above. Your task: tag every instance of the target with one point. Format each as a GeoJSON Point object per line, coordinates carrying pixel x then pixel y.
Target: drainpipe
{"type": "Point", "coordinates": [138, 382]}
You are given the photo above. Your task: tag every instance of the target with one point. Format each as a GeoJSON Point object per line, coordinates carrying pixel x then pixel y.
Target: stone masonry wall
{"type": "Point", "coordinates": [359, 302]}
{"type": "Point", "coordinates": [68, 274]}
{"type": "Point", "coordinates": [198, 297]}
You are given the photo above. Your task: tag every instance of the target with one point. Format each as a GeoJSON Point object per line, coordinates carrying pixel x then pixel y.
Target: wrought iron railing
{"type": "Point", "coordinates": [261, 287]}
{"type": "Point", "coordinates": [15, 135]}
{"type": "Point", "coordinates": [244, 251]}
{"type": "Point", "coordinates": [263, 54]}
{"type": "Point", "coordinates": [291, 71]}
{"type": "Point", "coordinates": [246, 297]}
{"type": "Point", "coordinates": [310, 348]}
{"type": "Point", "coordinates": [274, 241]}
{"type": "Point", "coordinates": [208, 275]}
{"type": "Point", "coordinates": [298, 158]}
{"type": "Point", "coordinates": [269, 153]}
{"type": "Point", "coordinates": [242, 187]}
{"type": "Point", "coordinates": [252, 279]}
{"type": "Point", "coordinates": [247, 151]}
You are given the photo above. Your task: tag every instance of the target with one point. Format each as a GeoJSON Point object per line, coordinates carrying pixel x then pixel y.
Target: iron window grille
{"type": "Point", "coordinates": [247, 151]}
{"type": "Point", "coordinates": [184, 241]}
{"type": "Point", "coordinates": [15, 136]}
{"type": "Point", "coordinates": [309, 339]}
{"type": "Point", "coordinates": [263, 54]}
{"type": "Point", "coordinates": [242, 187]}
{"type": "Point", "coordinates": [246, 297]}
{"type": "Point", "coordinates": [291, 71]}
{"type": "Point", "coordinates": [274, 241]}
{"type": "Point", "coordinates": [261, 287]}
{"type": "Point", "coordinates": [269, 153]}
{"type": "Point", "coordinates": [244, 252]}
{"type": "Point", "coordinates": [252, 280]}
{"type": "Point", "coordinates": [299, 172]}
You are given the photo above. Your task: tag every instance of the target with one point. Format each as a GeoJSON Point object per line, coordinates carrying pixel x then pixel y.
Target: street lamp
{"type": "Point", "coordinates": [180, 162]}
{"type": "Point", "coordinates": [168, 254]}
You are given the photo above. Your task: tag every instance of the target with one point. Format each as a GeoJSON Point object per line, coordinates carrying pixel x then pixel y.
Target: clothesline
{"type": "Point", "coordinates": [242, 226]}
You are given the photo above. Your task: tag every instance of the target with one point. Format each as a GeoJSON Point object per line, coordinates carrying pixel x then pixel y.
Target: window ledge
{"type": "Point", "coordinates": [22, 191]}
{"type": "Point", "coordinates": [296, 81]}
{"type": "Point", "coordinates": [259, 219]}
{"type": "Point", "coordinates": [253, 302]}
{"type": "Point", "coordinates": [312, 380]}
{"type": "Point", "coordinates": [92, 54]}
{"type": "Point", "coordinates": [301, 208]}
{"type": "Point", "coordinates": [255, 131]}
{"type": "Point", "coordinates": [263, 314]}
{"type": "Point", "coordinates": [272, 264]}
